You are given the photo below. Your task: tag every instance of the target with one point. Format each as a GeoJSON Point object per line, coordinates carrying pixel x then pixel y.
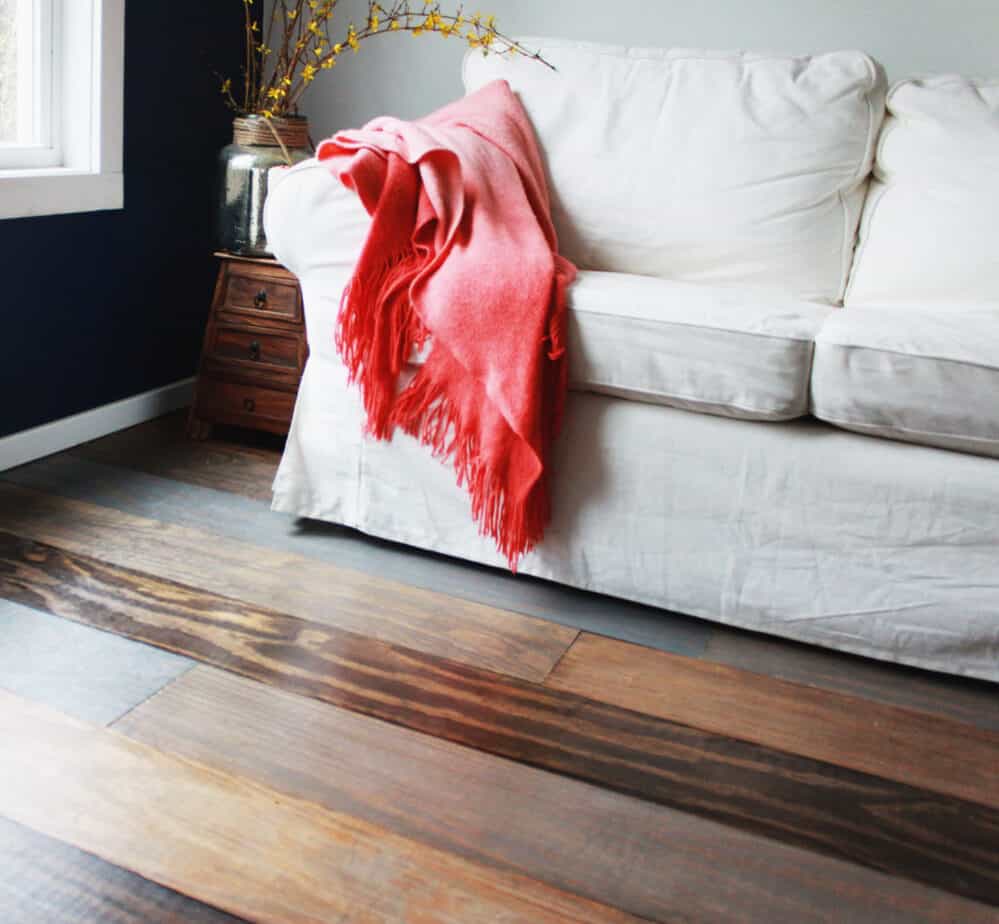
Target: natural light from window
{"type": "Point", "coordinates": [8, 71]}
{"type": "Point", "coordinates": [61, 87]}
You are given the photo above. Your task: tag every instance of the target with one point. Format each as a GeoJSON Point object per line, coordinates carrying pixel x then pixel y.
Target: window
{"type": "Point", "coordinates": [61, 80]}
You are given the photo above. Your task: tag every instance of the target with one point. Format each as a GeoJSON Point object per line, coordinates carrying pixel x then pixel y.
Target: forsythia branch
{"type": "Point", "coordinates": [298, 43]}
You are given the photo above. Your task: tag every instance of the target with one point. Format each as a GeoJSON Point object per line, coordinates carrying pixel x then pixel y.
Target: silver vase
{"type": "Point", "coordinates": [242, 178]}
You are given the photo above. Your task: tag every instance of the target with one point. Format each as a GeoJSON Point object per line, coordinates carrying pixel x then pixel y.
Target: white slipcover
{"type": "Point", "coordinates": [721, 168]}
{"type": "Point", "coordinates": [796, 529]}
{"type": "Point", "coordinates": [913, 373]}
{"type": "Point", "coordinates": [930, 227]}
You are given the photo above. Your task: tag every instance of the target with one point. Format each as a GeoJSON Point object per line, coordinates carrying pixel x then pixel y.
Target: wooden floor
{"type": "Point", "coordinates": [213, 712]}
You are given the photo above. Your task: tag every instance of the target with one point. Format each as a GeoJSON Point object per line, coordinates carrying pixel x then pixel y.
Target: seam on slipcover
{"type": "Point", "coordinates": [927, 357]}
{"type": "Point", "coordinates": [723, 330]}
{"type": "Point", "coordinates": [699, 401]}
{"type": "Point", "coordinates": [860, 424]}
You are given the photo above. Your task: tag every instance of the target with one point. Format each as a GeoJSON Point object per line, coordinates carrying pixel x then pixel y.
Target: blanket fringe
{"type": "Point", "coordinates": [375, 345]}
{"type": "Point", "coordinates": [425, 411]}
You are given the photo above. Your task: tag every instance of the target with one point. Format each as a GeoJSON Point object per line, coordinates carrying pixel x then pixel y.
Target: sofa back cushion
{"type": "Point", "coordinates": [930, 229]}
{"type": "Point", "coordinates": [701, 166]}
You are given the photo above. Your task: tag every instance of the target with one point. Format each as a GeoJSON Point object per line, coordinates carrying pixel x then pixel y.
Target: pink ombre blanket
{"type": "Point", "coordinates": [461, 252]}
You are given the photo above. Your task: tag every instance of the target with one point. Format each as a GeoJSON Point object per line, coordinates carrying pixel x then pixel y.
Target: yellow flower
{"type": "Point", "coordinates": [374, 23]}
{"type": "Point", "coordinates": [395, 24]}
{"type": "Point", "coordinates": [328, 63]}
{"type": "Point", "coordinates": [292, 14]}
{"type": "Point", "coordinates": [308, 73]}
{"type": "Point", "coordinates": [337, 48]}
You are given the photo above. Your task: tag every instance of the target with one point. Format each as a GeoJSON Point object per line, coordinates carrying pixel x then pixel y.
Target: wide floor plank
{"type": "Point", "coordinates": [509, 643]}
{"type": "Point", "coordinates": [643, 858]}
{"type": "Point", "coordinates": [160, 447]}
{"type": "Point", "coordinates": [44, 881]}
{"type": "Point", "coordinates": [900, 744]}
{"type": "Point", "coordinates": [240, 846]}
{"type": "Point", "coordinates": [973, 702]}
{"type": "Point", "coordinates": [902, 830]}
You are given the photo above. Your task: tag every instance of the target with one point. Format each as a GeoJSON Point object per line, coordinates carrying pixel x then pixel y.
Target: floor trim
{"type": "Point", "coordinates": [28, 445]}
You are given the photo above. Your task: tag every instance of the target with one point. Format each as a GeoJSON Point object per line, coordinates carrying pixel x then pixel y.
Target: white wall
{"type": "Point", "coordinates": [405, 76]}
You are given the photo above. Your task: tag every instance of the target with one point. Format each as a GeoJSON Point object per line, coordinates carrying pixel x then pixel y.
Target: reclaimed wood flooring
{"type": "Point", "coordinates": [211, 712]}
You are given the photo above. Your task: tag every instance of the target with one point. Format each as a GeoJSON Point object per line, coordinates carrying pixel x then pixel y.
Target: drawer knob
{"type": "Point", "coordinates": [249, 405]}
{"type": "Point", "coordinates": [260, 299]}
{"type": "Point", "coordinates": [255, 349]}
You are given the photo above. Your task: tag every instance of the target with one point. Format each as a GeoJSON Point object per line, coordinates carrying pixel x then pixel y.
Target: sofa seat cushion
{"type": "Point", "coordinates": [714, 350]}
{"type": "Point", "coordinates": [912, 373]}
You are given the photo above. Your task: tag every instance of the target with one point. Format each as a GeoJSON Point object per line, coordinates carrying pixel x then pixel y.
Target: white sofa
{"type": "Point", "coordinates": [753, 316]}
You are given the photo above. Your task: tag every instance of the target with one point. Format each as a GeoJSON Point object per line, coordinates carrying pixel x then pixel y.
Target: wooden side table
{"type": "Point", "coordinates": [254, 350]}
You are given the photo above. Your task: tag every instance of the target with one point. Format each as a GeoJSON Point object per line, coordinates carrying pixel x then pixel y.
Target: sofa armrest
{"type": "Point", "coordinates": [314, 224]}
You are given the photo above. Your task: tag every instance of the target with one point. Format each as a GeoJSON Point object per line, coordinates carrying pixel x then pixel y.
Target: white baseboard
{"type": "Point", "coordinates": [58, 435]}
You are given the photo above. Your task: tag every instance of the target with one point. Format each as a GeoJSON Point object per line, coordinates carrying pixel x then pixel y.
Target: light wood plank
{"type": "Point", "coordinates": [972, 702]}
{"type": "Point", "coordinates": [471, 633]}
{"type": "Point", "coordinates": [652, 861]}
{"type": "Point", "coordinates": [241, 846]}
{"type": "Point", "coordinates": [905, 831]}
{"type": "Point", "coordinates": [911, 747]}
{"type": "Point", "coordinates": [44, 880]}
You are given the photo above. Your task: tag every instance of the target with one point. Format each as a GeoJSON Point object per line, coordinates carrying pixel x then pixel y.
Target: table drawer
{"type": "Point", "coordinates": [250, 347]}
{"type": "Point", "coordinates": [260, 295]}
{"type": "Point", "coordinates": [245, 405]}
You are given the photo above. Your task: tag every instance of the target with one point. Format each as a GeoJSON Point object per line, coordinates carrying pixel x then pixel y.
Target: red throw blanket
{"type": "Point", "coordinates": [462, 253]}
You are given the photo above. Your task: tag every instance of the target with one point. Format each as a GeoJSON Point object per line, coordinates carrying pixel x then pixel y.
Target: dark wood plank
{"type": "Point", "coordinates": [510, 643]}
{"type": "Point", "coordinates": [644, 858]}
{"type": "Point", "coordinates": [905, 831]}
{"type": "Point", "coordinates": [46, 881]}
{"type": "Point", "coordinates": [911, 747]}
{"type": "Point", "coordinates": [236, 845]}
{"type": "Point", "coordinates": [973, 702]}
{"type": "Point", "coordinates": [160, 447]}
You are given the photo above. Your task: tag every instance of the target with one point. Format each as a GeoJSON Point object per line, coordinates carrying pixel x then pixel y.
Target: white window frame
{"type": "Point", "coordinates": [77, 166]}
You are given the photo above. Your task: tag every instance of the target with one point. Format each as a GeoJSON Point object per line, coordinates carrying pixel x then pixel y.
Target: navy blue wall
{"type": "Point", "coordinates": [97, 307]}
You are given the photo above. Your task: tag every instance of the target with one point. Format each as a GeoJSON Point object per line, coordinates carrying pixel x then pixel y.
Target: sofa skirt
{"type": "Point", "coordinates": [795, 529]}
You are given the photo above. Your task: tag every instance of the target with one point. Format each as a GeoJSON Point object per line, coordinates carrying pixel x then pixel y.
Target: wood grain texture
{"type": "Point", "coordinates": [909, 832]}
{"type": "Point", "coordinates": [973, 702]}
{"type": "Point", "coordinates": [510, 643]}
{"type": "Point", "coordinates": [644, 858]}
{"type": "Point", "coordinates": [45, 881]}
{"type": "Point", "coordinates": [240, 846]}
{"type": "Point", "coordinates": [900, 744]}
{"type": "Point", "coordinates": [159, 447]}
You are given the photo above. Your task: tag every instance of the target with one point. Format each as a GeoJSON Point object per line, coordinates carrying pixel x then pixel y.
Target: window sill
{"type": "Point", "coordinates": [58, 191]}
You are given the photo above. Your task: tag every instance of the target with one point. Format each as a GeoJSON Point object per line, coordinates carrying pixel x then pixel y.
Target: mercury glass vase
{"type": "Point", "coordinates": [257, 145]}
